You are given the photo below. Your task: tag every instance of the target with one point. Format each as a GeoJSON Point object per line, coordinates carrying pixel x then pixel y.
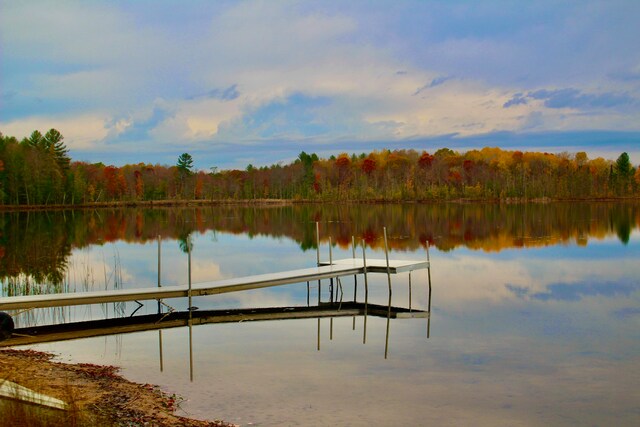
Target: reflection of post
{"type": "Point", "coordinates": [160, 343]}
{"type": "Point", "coordinates": [366, 291]}
{"type": "Point", "coordinates": [318, 334]}
{"type": "Point", "coordinates": [386, 254]}
{"type": "Point", "coordinates": [331, 328]}
{"type": "Point", "coordinates": [190, 349]}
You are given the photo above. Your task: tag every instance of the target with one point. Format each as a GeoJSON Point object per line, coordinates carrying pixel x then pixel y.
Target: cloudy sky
{"type": "Point", "coordinates": [239, 82]}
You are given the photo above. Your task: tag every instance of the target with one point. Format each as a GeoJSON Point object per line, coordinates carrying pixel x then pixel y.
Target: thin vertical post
{"type": "Point", "coordinates": [307, 293]}
{"type": "Point", "coordinates": [319, 282]}
{"type": "Point", "coordinates": [429, 277]}
{"type": "Point", "coordinates": [409, 291]}
{"type": "Point", "coordinates": [318, 241]}
{"type": "Point", "coordinates": [159, 270]}
{"type": "Point", "coordinates": [189, 272]}
{"type": "Point", "coordinates": [330, 252]}
{"type": "Point", "coordinates": [429, 300]}
{"type": "Point", "coordinates": [355, 278]}
{"type": "Point", "coordinates": [366, 291]}
{"type": "Point", "coordinates": [386, 254]}
{"type": "Point", "coordinates": [190, 312]}
{"type": "Point", "coordinates": [330, 263]}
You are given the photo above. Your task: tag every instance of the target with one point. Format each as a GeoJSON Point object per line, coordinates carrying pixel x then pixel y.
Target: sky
{"type": "Point", "coordinates": [255, 82]}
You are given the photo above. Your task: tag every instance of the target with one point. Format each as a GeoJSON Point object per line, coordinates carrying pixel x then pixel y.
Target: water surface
{"type": "Point", "coordinates": [535, 310]}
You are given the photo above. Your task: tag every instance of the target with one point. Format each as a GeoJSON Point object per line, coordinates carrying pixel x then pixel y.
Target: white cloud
{"type": "Point", "coordinates": [103, 60]}
{"type": "Point", "coordinates": [81, 132]}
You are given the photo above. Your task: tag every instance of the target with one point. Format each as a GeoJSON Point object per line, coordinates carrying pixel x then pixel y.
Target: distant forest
{"type": "Point", "coordinates": [37, 171]}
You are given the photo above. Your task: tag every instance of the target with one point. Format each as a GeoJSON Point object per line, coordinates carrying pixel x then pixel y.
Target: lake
{"type": "Point", "coordinates": [535, 310]}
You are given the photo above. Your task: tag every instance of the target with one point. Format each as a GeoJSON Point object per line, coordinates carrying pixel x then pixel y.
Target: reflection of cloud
{"type": "Point", "coordinates": [627, 312]}
{"type": "Point", "coordinates": [98, 269]}
{"type": "Point", "coordinates": [577, 291]}
{"type": "Point", "coordinates": [461, 282]}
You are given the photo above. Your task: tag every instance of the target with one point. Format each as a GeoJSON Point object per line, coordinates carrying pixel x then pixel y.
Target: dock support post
{"type": "Point", "coordinates": [189, 271]}
{"type": "Point", "coordinates": [318, 242]}
{"type": "Point", "coordinates": [429, 300]}
{"type": "Point", "coordinates": [190, 313]}
{"type": "Point", "coordinates": [318, 257]}
{"type": "Point", "coordinates": [386, 254]}
{"type": "Point", "coordinates": [355, 278]}
{"type": "Point", "coordinates": [410, 292]}
{"type": "Point", "coordinates": [366, 290]}
{"type": "Point", "coordinates": [330, 263]}
{"type": "Point", "coordinates": [159, 303]}
{"type": "Point", "coordinates": [159, 270]}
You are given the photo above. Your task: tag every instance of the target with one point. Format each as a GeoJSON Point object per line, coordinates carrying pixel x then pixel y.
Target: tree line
{"type": "Point", "coordinates": [37, 170]}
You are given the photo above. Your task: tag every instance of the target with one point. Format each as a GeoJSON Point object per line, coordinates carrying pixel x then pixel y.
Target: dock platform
{"type": "Point", "coordinates": [325, 270]}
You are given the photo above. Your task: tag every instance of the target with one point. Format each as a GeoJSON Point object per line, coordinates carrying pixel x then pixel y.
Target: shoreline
{"type": "Point", "coordinates": [95, 394]}
{"type": "Point", "coordinates": [290, 202]}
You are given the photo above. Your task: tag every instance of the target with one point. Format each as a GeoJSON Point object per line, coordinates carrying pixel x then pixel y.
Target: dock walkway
{"type": "Point", "coordinates": [325, 270]}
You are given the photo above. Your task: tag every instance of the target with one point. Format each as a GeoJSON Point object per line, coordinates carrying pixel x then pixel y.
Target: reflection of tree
{"type": "Point", "coordinates": [34, 243]}
{"type": "Point", "coordinates": [621, 221]}
{"type": "Point", "coordinates": [185, 243]}
{"type": "Point", "coordinates": [38, 244]}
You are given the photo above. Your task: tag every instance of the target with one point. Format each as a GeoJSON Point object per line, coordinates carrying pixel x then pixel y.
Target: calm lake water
{"type": "Point", "coordinates": [535, 310]}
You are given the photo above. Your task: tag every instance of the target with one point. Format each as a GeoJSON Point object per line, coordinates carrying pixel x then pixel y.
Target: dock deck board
{"type": "Point", "coordinates": [339, 268]}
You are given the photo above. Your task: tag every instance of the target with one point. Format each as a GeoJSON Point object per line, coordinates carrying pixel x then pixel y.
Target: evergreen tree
{"type": "Point", "coordinates": [185, 163]}
{"type": "Point", "coordinates": [53, 142]}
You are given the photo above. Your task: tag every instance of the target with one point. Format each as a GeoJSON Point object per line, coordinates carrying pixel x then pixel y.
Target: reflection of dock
{"type": "Point", "coordinates": [96, 328]}
{"type": "Point", "coordinates": [332, 270]}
